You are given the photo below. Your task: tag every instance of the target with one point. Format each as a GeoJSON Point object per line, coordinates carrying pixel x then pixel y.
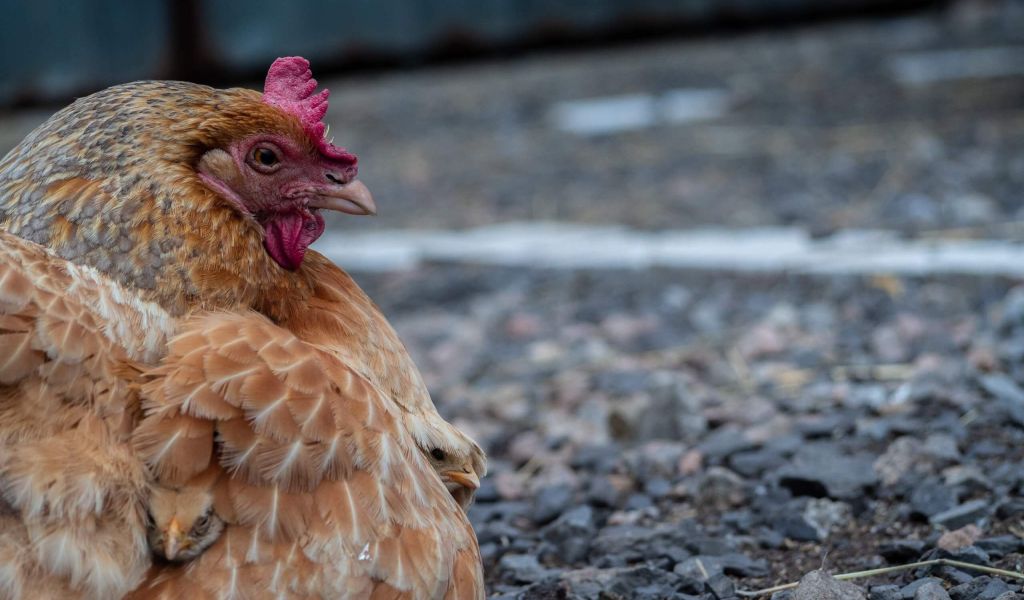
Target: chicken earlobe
{"type": "Point", "coordinates": [217, 170]}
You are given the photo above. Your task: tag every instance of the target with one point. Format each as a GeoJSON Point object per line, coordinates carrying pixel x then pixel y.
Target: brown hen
{"type": "Point", "coordinates": [197, 199]}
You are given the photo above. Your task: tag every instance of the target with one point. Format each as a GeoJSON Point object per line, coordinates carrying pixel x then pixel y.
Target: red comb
{"type": "Point", "coordinates": [290, 86]}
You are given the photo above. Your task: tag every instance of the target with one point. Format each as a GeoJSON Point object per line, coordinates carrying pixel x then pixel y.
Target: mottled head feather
{"type": "Point", "coordinates": [290, 86]}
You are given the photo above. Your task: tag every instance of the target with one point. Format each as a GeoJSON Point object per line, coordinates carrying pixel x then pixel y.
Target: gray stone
{"type": "Point", "coordinates": [826, 515]}
{"type": "Point", "coordinates": [819, 585]}
{"type": "Point", "coordinates": [901, 551]}
{"type": "Point", "coordinates": [931, 591]}
{"type": "Point", "coordinates": [498, 532]}
{"type": "Point", "coordinates": [721, 586]}
{"type": "Point", "coordinates": [1002, 387]}
{"type": "Point", "coordinates": [1000, 545]}
{"type": "Point", "coordinates": [721, 488]}
{"type": "Point", "coordinates": [1010, 508]}
{"type": "Point", "coordinates": [953, 576]}
{"type": "Point", "coordinates": [643, 583]}
{"type": "Point", "coordinates": [571, 534]}
{"type": "Point", "coordinates": [602, 492]}
{"type": "Point", "coordinates": [722, 443]}
{"type": "Point", "coordinates": [630, 543]}
{"type": "Point", "coordinates": [796, 527]}
{"type": "Point", "coordinates": [980, 588]}
{"type": "Point", "coordinates": [549, 502]}
{"type": "Point", "coordinates": [885, 592]}
{"type": "Point", "coordinates": [736, 565]}
{"type": "Point", "coordinates": [961, 515]}
{"type": "Point", "coordinates": [656, 459]}
{"type": "Point", "coordinates": [1006, 391]}
{"type": "Point", "coordinates": [821, 470]}
{"type": "Point", "coordinates": [657, 487]}
{"type": "Point", "coordinates": [487, 492]}
{"type": "Point", "coordinates": [754, 462]}
{"type": "Point", "coordinates": [522, 568]}
{"type": "Point", "coordinates": [908, 591]}
{"type": "Point", "coordinates": [968, 554]}
{"type": "Point", "coordinates": [932, 498]}
{"type": "Point", "coordinates": [638, 502]}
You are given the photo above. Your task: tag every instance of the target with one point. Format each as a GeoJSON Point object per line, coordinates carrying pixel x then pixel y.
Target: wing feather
{"type": "Point", "coordinates": [68, 477]}
{"type": "Point", "coordinates": [175, 447]}
{"type": "Point", "coordinates": [320, 475]}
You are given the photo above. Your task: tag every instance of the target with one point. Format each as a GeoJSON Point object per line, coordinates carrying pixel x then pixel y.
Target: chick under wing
{"type": "Point", "coordinates": [323, 491]}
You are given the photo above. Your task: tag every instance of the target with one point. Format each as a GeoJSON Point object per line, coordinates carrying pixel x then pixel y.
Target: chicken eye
{"type": "Point", "coordinates": [437, 453]}
{"type": "Point", "coordinates": [265, 157]}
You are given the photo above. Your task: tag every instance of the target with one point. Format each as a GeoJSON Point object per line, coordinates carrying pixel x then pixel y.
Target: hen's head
{"type": "Point", "coordinates": [281, 171]}
{"type": "Point", "coordinates": [146, 164]}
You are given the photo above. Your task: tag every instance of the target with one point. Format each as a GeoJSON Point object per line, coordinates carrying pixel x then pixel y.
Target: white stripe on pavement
{"type": "Point", "coordinates": [923, 68]}
{"type": "Point", "coordinates": [571, 246]}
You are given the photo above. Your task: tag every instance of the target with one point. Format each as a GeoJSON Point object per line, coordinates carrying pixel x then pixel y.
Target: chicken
{"type": "Point", "coordinates": [197, 199]}
{"type": "Point", "coordinates": [182, 523]}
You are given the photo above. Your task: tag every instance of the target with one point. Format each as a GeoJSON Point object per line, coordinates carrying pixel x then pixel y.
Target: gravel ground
{"type": "Point", "coordinates": [670, 434]}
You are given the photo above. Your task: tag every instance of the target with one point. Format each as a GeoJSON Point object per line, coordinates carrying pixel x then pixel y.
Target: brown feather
{"type": "Point", "coordinates": [67, 406]}
{"type": "Point", "coordinates": [176, 448]}
{"type": "Point", "coordinates": [330, 473]}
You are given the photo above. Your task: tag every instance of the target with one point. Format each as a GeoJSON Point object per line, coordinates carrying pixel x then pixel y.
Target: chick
{"type": "Point", "coordinates": [456, 458]}
{"type": "Point", "coordinates": [457, 474]}
{"type": "Point", "coordinates": [182, 523]}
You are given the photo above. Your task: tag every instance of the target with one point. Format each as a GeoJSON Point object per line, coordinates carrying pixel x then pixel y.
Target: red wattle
{"type": "Point", "coordinates": [289, 234]}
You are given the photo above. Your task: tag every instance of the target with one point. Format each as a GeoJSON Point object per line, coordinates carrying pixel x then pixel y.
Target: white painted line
{"type": "Point", "coordinates": [923, 68]}
{"type": "Point", "coordinates": [612, 114]}
{"type": "Point", "coordinates": [605, 115]}
{"type": "Point", "coordinates": [570, 246]}
{"type": "Point", "coordinates": [682, 106]}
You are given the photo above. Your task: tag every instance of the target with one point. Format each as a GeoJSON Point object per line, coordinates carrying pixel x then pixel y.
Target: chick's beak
{"type": "Point", "coordinates": [174, 540]}
{"type": "Point", "coordinates": [353, 198]}
{"type": "Point", "coordinates": [467, 480]}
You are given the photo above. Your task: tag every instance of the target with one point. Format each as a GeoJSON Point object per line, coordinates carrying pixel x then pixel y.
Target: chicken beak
{"type": "Point", "coordinates": [353, 198]}
{"type": "Point", "coordinates": [174, 539]}
{"type": "Point", "coordinates": [467, 480]}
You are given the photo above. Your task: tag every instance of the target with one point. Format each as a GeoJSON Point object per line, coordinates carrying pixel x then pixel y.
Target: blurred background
{"type": "Point", "coordinates": [723, 279]}
{"type": "Point", "coordinates": [654, 114]}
